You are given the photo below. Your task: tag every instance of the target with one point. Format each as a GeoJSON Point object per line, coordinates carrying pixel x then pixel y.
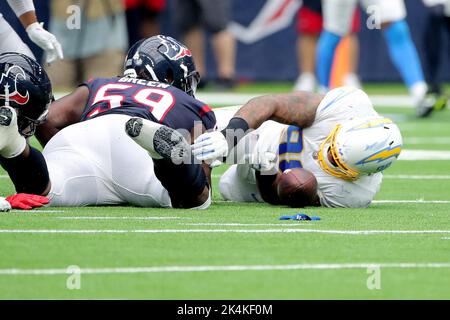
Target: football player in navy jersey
{"type": "Point", "coordinates": [25, 94]}
{"type": "Point", "coordinates": [126, 139]}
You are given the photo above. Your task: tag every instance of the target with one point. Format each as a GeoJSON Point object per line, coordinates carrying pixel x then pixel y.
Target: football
{"type": "Point", "coordinates": [297, 188]}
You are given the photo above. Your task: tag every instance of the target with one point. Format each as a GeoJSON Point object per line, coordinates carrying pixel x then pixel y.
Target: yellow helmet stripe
{"type": "Point", "coordinates": [373, 123]}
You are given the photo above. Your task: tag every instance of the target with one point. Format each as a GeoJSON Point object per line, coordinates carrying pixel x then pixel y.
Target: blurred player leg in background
{"type": "Point", "coordinates": [438, 23]}
{"type": "Point", "coordinates": [192, 18]}
{"type": "Point", "coordinates": [142, 18]}
{"type": "Point", "coordinates": [10, 41]}
{"type": "Point", "coordinates": [403, 53]}
{"type": "Point", "coordinates": [95, 47]}
{"type": "Point", "coordinates": [309, 27]}
{"type": "Point", "coordinates": [351, 78]}
{"type": "Point", "coordinates": [336, 23]}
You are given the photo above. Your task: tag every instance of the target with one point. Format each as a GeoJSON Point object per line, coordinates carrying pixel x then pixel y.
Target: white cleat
{"type": "Point", "coordinates": [352, 80]}
{"type": "Point", "coordinates": [4, 205]}
{"type": "Point", "coordinates": [305, 82]}
{"type": "Point", "coordinates": [160, 141]}
{"type": "Point", "coordinates": [12, 143]}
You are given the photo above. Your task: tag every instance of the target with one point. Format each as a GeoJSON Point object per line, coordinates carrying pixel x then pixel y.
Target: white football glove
{"type": "Point", "coordinates": [4, 205]}
{"type": "Point", "coordinates": [262, 161]}
{"type": "Point", "coordinates": [46, 41]}
{"type": "Point", "coordinates": [210, 146]}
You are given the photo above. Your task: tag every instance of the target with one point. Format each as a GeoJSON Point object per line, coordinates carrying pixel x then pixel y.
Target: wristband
{"type": "Point", "coordinates": [235, 124]}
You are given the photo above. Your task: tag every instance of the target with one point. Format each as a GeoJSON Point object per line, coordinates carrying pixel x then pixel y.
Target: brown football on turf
{"type": "Point", "coordinates": [297, 188]}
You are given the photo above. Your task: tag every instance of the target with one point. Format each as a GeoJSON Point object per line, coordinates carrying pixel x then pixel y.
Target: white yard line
{"type": "Point", "coordinates": [413, 201]}
{"type": "Point", "coordinates": [37, 211]}
{"type": "Point", "coordinates": [158, 231]}
{"type": "Point", "coordinates": [412, 155]}
{"type": "Point", "coordinates": [416, 177]}
{"type": "Point", "coordinates": [246, 224]}
{"type": "Point", "coordinates": [427, 140]}
{"type": "Point", "coordinates": [170, 269]}
{"type": "Point", "coordinates": [115, 218]}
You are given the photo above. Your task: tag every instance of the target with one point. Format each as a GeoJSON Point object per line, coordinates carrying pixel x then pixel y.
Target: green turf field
{"type": "Point", "coordinates": [242, 251]}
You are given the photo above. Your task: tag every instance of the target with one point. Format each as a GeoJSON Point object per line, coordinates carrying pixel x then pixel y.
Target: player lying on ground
{"type": "Point", "coordinates": [339, 137]}
{"type": "Point", "coordinates": [95, 162]}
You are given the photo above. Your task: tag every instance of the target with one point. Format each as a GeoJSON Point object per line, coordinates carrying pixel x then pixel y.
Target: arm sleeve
{"type": "Point", "coordinates": [21, 6]}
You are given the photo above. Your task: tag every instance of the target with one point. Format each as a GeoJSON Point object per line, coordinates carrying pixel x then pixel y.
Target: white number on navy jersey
{"type": "Point", "coordinates": [159, 101]}
{"type": "Point", "coordinates": [160, 105]}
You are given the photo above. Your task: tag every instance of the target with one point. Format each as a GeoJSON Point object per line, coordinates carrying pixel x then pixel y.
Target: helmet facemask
{"type": "Point", "coordinates": [190, 83]}
{"type": "Point", "coordinates": [360, 146]}
{"type": "Point", "coordinates": [338, 169]}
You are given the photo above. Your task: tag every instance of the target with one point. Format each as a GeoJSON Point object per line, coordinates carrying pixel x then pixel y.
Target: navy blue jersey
{"type": "Point", "coordinates": [314, 5]}
{"type": "Point", "coordinates": [150, 100]}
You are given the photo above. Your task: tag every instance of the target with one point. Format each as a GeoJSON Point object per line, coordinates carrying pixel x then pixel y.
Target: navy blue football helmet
{"type": "Point", "coordinates": [163, 59]}
{"type": "Point", "coordinates": [25, 86]}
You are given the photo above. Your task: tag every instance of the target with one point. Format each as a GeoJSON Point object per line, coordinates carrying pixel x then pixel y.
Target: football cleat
{"type": "Point", "coordinates": [426, 106]}
{"type": "Point", "coordinates": [160, 141]}
{"type": "Point", "coordinates": [11, 142]}
{"type": "Point", "coordinates": [441, 102]}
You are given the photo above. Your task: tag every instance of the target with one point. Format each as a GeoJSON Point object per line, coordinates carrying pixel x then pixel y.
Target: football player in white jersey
{"type": "Point", "coordinates": [11, 42]}
{"type": "Point", "coordinates": [339, 137]}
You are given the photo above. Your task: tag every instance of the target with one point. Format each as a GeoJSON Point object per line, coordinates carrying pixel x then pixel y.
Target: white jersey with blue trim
{"type": "Point", "coordinates": [338, 106]}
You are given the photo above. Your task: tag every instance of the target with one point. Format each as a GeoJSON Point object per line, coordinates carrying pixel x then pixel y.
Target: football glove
{"type": "Point", "coordinates": [262, 161]}
{"type": "Point", "coordinates": [26, 201]}
{"type": "Point", "coordinates": [4, 205]}
{"type": "Point", "coordinates": [46, 41]}
{"type": "Point", "coordinates": [210, 146]}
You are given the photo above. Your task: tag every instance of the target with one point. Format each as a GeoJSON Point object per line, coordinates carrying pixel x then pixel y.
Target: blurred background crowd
{"type": "Point", "coordinates": [236, 41]}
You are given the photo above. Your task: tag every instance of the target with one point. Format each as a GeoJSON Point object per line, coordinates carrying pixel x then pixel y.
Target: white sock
{"type": "Point", "coordinates": [305, 82]}
{"type": "Point", "coordinates": [352, 80]}
{"type": "Point", "coordinates": [418, 91]}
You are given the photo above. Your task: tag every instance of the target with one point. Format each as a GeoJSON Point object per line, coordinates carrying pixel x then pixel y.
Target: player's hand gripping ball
{"type": "Point", "coordinates": [297, 188]}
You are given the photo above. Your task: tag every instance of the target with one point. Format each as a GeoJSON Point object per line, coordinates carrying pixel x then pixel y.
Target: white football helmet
{"type": "Point", "coordinates": [360, 146]}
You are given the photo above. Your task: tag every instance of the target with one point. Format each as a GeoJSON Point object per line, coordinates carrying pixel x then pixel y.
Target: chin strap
{"type": "Point", "coordinates": [342, 170]}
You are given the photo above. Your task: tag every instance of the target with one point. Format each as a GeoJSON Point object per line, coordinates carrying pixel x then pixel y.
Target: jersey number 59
{"type": "Point", "coordinates": [157, 100]}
